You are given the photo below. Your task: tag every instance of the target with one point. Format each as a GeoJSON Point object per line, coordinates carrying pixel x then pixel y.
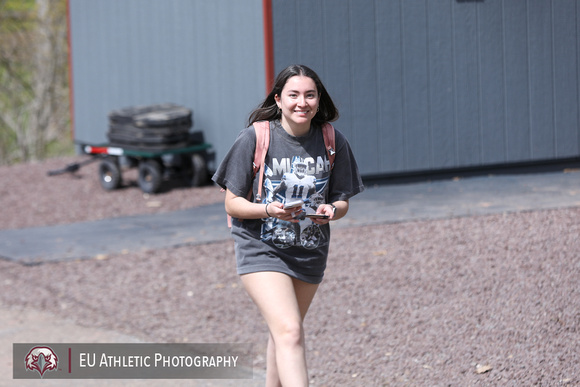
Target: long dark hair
{"type": "Point", "coordinates": [268, 110]}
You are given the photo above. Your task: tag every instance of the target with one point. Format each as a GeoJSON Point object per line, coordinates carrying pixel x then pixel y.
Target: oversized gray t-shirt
{"type": "Point", "coordinates": [296, 168]}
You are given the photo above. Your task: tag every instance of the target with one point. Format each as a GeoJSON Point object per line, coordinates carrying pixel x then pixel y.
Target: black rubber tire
{"type": "Point", "coordinates": [110, 174]}
{"type": "Point", "coordinates": [158, 140]}
{"type": "Point", "coordinates": [150, 175]}
{"type": "Point", "coordinates": [167, 114]}
{"type": "Point", "coordinates": [159, 132]}
{"type": "Point", "coordinates": [199, 175]}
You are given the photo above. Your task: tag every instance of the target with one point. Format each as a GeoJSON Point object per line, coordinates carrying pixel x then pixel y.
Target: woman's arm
{"type": "Point", "coordinates": [341, 210]}
{"type": "Point", "coordinates": [241, 208]}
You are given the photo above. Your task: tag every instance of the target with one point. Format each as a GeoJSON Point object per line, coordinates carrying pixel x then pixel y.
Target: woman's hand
{"type": "Point", "coordinates": [334, 211]}
{"type": "Point", "coordinates": [324, 209]}
{"type": "Point", "coordinates": [276, 210]}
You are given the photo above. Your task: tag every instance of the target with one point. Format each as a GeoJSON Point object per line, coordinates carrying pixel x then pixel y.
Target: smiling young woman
{"type": "Point", "coordinates": [298, 103]}
{"type": "Point", "coordinates": [281, 251]}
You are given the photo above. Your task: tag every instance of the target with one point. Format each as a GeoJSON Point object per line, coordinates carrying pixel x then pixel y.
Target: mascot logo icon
{"type": "Point", "coordinates": [41, 359]}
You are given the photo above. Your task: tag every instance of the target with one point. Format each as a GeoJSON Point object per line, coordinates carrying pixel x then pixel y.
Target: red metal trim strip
{"type": "Point", "coordinates": [268, 44]}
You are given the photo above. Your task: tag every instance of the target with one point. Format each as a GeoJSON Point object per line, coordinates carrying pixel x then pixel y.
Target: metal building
{"type": "Point", "coordinates": [205, 55]}
{"type": "Point", "coordinates": [421, 85]}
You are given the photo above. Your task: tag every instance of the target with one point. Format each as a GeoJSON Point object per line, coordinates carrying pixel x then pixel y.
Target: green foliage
{"type": "Point", "coordinates": [33, 75]}
{"type": "Point", "coordinates": [17, 5]}
{"type": "Point", "coordinates": [16, 15]}
{"type": "Point", "coordinates": [61, 147]}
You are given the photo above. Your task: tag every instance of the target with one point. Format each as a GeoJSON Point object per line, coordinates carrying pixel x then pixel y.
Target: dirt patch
{"type": "Point", "coordinates": [31, 198]}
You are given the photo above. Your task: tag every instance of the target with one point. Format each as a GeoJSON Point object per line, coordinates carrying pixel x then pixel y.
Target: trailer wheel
{"type": "Point", "coordinates": [150, 175]}
{"type": "Point", "coordinates": [199, 175]}
{"type": "Point", "coordinates": [109, 174]}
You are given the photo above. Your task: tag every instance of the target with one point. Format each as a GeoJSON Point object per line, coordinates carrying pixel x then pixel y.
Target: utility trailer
{"type": "Point", "coordinates": [157, 140]}
{"type": "Point", "coordinates": [154, 166]}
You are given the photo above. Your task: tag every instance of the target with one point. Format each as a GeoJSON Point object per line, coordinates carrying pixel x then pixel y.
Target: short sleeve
{"type": "Point", "coordinates": [345, 179]}
{"type": "Point", "coordinates": [235, 171]}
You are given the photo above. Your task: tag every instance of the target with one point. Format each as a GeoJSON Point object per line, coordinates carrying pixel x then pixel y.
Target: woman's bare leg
{"type": "Point", "coordinates": [283, 301]}
{"type": "Point", "coordinates": [272, 377]}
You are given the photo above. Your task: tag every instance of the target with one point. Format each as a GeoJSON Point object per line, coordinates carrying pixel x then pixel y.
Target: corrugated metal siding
{"type": "Point", "coordinates": [438, 84]}
{"type": "Point", "coordinates": [206, 55]}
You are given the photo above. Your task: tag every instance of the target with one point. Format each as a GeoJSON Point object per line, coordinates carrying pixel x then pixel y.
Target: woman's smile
{"type": "Point", "coordinates": [298, 102]}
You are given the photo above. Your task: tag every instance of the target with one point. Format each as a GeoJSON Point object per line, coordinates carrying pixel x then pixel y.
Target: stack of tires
{"type": "Point", "coordinates": [153, 127]}
{"type": "Point", "coordinates": [157, 140]}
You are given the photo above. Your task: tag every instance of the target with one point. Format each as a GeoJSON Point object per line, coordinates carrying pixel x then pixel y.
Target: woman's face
{"type": "Point", "coordinates": [298, 101]}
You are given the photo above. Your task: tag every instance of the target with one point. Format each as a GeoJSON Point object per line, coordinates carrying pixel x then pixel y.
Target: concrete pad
{"type": "Point", "coordinates": [376, 205]}
{"type": "Point", "coordinates": [132, 233]}
{"type": "Point", "coordinates": [463, 197]}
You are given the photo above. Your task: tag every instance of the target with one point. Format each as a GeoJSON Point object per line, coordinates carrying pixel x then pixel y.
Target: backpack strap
{"type": "Point", "coordinates": [329, 142]}
{"type": "Point", "coordinates": [262, 130]}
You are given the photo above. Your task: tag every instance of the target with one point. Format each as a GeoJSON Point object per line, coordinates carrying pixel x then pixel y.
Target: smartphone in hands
{"type": "Point", "coordinates": [293, 204]}
{"type": "Point", "coordinates": [317, 216]}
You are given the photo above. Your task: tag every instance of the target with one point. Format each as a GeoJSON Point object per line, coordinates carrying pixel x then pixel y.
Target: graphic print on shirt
{"type": "Point", "coordinates": [297, 184]}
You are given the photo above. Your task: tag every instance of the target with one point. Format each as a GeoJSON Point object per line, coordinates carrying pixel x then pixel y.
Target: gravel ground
{"type": "Point", "coordinates": [472, 301]}
{"type": "Point", "coordinates": [31, 198]}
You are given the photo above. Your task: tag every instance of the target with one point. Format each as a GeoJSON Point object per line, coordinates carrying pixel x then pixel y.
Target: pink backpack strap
{"type": "Point", "coordinates": [329, 142]}
{"type": "Point", "coordinates": [262, 129]}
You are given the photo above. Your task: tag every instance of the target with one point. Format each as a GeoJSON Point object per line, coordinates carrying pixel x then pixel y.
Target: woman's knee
{"type": "Point", "coordinates": [289, 333]}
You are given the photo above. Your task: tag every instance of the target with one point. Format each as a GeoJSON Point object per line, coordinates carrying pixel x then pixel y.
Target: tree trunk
{"type": "Point", "coordinates": [35, 109]}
